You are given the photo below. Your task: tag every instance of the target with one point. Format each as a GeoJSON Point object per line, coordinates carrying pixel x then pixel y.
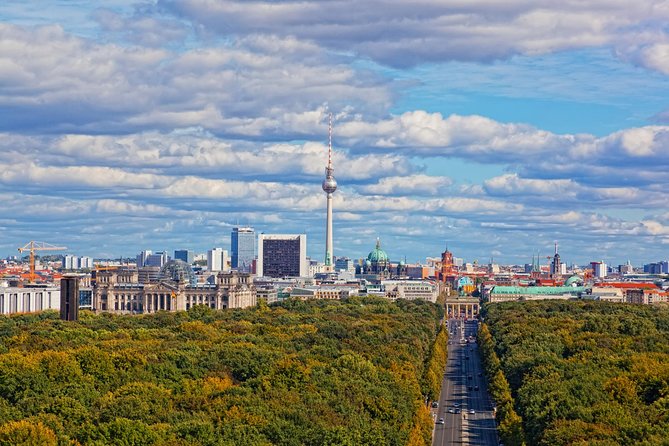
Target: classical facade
{"type": "Point", "coordinates": [120, 291]}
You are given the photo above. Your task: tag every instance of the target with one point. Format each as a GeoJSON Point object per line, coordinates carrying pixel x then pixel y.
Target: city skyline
{"type": "Point", "coordinates": [160, 124]}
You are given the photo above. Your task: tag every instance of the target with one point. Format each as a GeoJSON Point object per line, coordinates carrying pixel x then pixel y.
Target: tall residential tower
{"type": "Point", "coordinates": [329, 186]}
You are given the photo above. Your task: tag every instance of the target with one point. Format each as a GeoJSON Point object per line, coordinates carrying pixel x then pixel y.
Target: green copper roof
{"type": "Point", "coordinates": [572, 280]}
{"type": "Point", "coordinates": [537, 290]}
{"type": "Point", "coordinates": [378, 255]}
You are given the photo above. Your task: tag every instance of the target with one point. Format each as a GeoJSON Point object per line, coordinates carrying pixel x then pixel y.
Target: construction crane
{"type": "Point", "coordinates": [33, 246]}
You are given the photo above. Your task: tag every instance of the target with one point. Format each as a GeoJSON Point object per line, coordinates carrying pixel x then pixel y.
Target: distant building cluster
{"type": "Point", "coordinates": [273, 267]}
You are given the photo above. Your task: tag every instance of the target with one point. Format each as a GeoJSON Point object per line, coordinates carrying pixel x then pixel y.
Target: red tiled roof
{"type": "Point", "coordinates": [628, 285]}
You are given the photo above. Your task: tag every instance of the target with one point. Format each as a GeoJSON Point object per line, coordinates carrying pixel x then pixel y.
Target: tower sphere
{"type": "Point", "coordinates": [329, 184]}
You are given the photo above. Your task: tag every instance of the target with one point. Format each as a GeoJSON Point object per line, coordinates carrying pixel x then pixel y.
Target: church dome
{"type": "Point", "coordinates": [573, 281]}
{"type": "Point", "coordinates": [377, 255]}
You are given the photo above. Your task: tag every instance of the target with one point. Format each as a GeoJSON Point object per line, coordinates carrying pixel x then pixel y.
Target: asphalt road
{"type": "Point", "coordinates": [463, 374]}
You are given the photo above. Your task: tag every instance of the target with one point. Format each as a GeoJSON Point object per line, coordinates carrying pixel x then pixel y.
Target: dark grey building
{"type": "Point", "coordinates": [282, 255]}
{"type": "Point", "coordinates": [69, 298]}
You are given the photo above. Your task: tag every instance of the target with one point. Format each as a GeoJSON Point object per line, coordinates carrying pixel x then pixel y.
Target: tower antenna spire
{"type": "Point", "coordinates": [330, 141]}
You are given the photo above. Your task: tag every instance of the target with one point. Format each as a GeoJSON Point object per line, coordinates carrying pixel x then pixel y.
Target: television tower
{"type": "Point", "coordinates": [329, 186]}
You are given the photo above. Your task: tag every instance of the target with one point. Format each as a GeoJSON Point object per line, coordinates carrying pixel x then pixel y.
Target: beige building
{"type": "Point", "coordinates": [120, 292]}
{"type": "Point", "coordinates": [322, 292]}
{"type": "Point", "coordinates": [410, 290]}
{"type": "Point", "coordinates": [609, 294]}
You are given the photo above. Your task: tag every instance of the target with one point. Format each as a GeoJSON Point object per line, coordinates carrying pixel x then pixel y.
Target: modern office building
{"type": "Point", "coordinates": [185, 255]}
{"type": "Point", "coordinates": [345, 264]}
{"type": "Point", "coordinates": [282, 255]}
{"type": "Point", "coordinates": [656, 268]}
{"type": "Point", "coordinates": [142, 256]}
{"type": "Point", "coordinates": [158, 259]}
{"type": "Point", "coordinates": [243, 248]}
{"type": "Point", "coordinates": [599, 269]}
{"type": "Point", "coordinates": [71, 262]}
{"type": "Point", "coordinates": [217, 259]}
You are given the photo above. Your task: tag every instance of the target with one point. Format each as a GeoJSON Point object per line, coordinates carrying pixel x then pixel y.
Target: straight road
{"type": "Point", "coordinates": [459, 394]}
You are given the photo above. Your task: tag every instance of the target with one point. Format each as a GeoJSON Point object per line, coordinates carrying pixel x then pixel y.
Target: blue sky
{"type": "Point", "coordinates": [495, 128]}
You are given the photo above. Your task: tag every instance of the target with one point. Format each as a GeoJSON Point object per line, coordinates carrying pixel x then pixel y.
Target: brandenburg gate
{"type": "Point", "coordinates": [462, 307]}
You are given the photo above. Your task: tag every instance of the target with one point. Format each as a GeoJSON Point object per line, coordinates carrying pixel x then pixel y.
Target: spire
{"type": "Point", "coordinates": [330, 142]}
{"type": "Point", "coordinates": [556, 246]}
{"type": "Point", "coordinates": [378, 243]}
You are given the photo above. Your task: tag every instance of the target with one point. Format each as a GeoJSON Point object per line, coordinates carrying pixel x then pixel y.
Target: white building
{"type": "Point", "coordinates": [598, 269]}
{"type": "Point", "coordinates": [282, 255]}
{"type": "Point", "coordinates": [28, 300]}
{"type": "Point", "coordinates": [323, 292]}
{"type": "Point", "coordinates": [217, 259]}
{"type": "Point", "coordinates": [410, 289]}
{"type": "Point", "coordinates": [69, 262]}
{"type": "Point", "coordinates": [316, 267]}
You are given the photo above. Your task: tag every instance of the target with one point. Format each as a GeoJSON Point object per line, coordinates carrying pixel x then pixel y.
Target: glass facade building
{"type": "Point", "coordinates": [184, 254]}
{"type": "Point", "coordinates": [243, 249]}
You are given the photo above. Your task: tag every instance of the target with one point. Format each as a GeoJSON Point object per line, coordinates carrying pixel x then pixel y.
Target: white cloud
{"type": "Point", "coordinates": [261, 90]}
{"type": "Point", "coordinates": [430, 31]}
{"type": "Point", "coordinates": [408, 185]}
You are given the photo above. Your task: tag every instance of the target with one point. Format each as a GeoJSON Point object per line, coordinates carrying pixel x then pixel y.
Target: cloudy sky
{"type": "Point", "coordinates": [493, 127]}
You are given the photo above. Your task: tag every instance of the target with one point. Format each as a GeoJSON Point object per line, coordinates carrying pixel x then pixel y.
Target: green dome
{"type": "Point", "coordinates": [378, 255]}
{"type": "Point", "coordinates": [572, 281]}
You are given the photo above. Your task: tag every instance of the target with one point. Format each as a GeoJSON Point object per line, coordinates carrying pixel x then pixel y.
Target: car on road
{"type": "Point", "coordinates": [435, 404]}
{"type": "Point", "coordinates": [457, 410]}
{"type": "Point", "coordinates": [440, 421]}
{"type": "Point", "coordinates": [472, 411]}
{"type": "Point", "coordinates": [456, 404]}
{"type": "Point", "coordinates": [451, 410]}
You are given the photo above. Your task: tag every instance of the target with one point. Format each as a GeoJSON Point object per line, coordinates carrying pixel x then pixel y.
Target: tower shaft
{"type": "Point", "coordinates": [328, 234]}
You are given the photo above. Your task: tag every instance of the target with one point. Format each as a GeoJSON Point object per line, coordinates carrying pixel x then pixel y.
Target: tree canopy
{"type": "Point", "coordinates": [585, 373]}
{"type": "Point", "coordinates": [347, 372]}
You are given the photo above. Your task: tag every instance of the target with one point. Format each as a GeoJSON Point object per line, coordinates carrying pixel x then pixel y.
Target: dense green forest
{"type": "Point", "coordinates": [582, 373]}
{"type": "Point", "coordinates": [351, 372]}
